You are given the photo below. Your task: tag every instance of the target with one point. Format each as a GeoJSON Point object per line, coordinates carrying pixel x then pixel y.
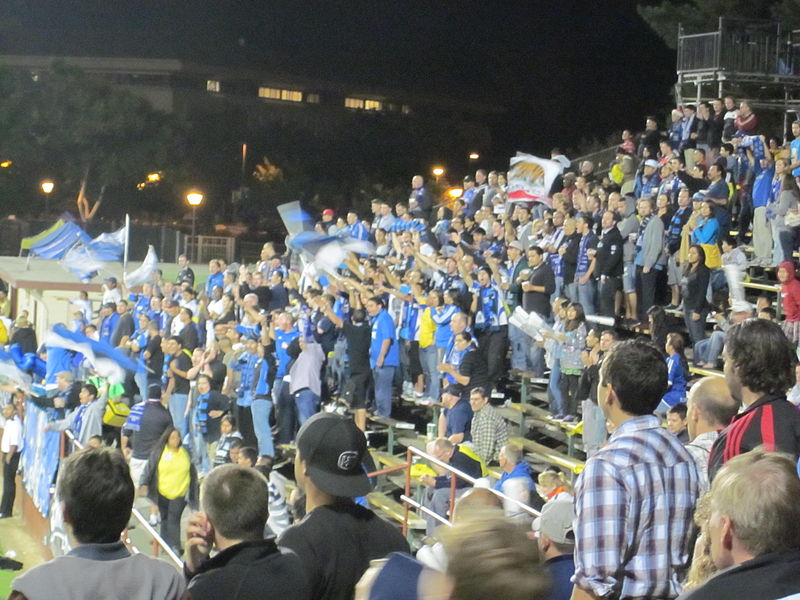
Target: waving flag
{"type": "Point", "coordinates": [144, 272]}
{"type": "Point", "coordinates": [82, 260]}
{"type": "Point", "coordinates": [327, 251]}
{"type": "Point", "coordinates": [530, 178]}
{"type": "Point", "coordinates": [294, 218]}
{"type": "Point", "coordinates": [10, 373]}
{"type": "Point", "coordinates": [106, 360]}
{"type": "Point", "coordinates": [109, 246]}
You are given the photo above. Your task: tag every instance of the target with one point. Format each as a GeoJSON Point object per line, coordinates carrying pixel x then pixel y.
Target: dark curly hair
{"type": "Point", "coordinates": [762, 356]}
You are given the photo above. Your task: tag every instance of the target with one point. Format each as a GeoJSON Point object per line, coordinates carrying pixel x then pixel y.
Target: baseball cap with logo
{"type": "Point", "coordinates": [333, 448]}
{"type": "Point", "coordinates": [556, 521]}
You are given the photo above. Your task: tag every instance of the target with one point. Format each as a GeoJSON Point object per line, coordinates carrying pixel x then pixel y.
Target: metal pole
{"type": "Point", "coordinates": [127, 242]}
{"type": "Point", "coordinates": [194, 238]}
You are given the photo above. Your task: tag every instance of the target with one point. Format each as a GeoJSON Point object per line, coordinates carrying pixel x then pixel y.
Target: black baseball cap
{"type": "Point", "coordinates": [333, 449]}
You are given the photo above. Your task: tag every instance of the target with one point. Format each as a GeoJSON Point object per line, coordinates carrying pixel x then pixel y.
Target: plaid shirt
{"type": "Point", "coordinates": [489, 433]}
{"type": "Point", "coordinates": [635, 500]}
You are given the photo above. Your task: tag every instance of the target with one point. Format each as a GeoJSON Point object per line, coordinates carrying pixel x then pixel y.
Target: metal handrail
{"type": "Point", "coordinates": [409, 503]}
{"type": "Point", "coordinates": [158, 541]}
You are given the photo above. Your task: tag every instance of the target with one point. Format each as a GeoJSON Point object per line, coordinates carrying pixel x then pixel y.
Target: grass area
{"type": "Point", "coordinates": [6, 577]}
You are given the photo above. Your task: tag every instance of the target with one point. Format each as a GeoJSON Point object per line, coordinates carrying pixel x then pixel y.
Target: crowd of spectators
{"type": "Point", "coordinates": [240, 367]}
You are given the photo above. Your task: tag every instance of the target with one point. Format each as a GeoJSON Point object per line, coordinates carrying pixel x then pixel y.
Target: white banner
{"type": "Point", "coordinates": [530, 178]}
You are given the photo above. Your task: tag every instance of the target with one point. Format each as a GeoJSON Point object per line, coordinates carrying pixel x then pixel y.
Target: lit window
{"type": "Point", "coordinates": [312, 98]}
{"type": "Point", "coordinates": [212, 85]}
{"type": "Point", "coordinates": [269, 93]}
{"type": "Point", "coordinates": [291, 95]}
{"type": "Point", "coordinates": [354, 103]}
{"type": "Point", "coordinates": [405, 109]}
{"type": "Point", "coordinates": [373, 105]}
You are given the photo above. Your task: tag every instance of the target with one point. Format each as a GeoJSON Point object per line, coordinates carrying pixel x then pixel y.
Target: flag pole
{"type": "Point", "coordinates": [127, 238]}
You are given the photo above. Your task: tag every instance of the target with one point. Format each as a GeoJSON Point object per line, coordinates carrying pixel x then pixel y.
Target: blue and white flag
{"type": "Point", "coordinates": [11, 374]}
{"type": "Point", "coordinates": [327, 251]}
{"type": "Point", "coordinates": [106, 360]}
{"type": "Point", "coordinates": [109, 246]}
{"type": "Point", "coordinates": [83, 261]}
{"type": "Point", "coordinates": [145, 272]}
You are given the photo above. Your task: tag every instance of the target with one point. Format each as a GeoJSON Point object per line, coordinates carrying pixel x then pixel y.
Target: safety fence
{"type": "Point", "coordinates": [410, 503]}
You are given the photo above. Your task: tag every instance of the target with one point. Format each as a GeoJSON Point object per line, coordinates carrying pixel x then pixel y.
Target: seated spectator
{"type": "Point", "coordinates": [676, 422]}
{"type": "Point", "coordinates": [228, 433]}
{"type": "Point", "coordinates": [455, 421]}
{"type": "Point", "coordinates": [337, 538]}
{"type": "Point", "coordinates": [515, 482]}
{"type": "Point", "coordinates": [556, 540]}
{"type": "Point", "coordinates": [552, 485]}
{"type": "Point", "coordinates": [710, 408]}
{"type": "Point", "coordinates": [97, 493]}
{"type": "Point", "coordinates": [438, 493]}
{"type": "Point", "coordinates": [489, 431]}
{"type": "Point", "coordinates": [759, 368]}
{"type": "Point", "coordinates": [755, 541]}
{"type": "Point", "coordinates": [236, 507]}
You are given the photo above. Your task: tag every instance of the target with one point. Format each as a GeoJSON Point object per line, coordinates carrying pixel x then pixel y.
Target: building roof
{"type": "Point", "coordinates": [50, 275]}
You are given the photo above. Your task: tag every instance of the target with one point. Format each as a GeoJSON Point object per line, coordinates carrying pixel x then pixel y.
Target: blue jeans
{"type": "Point", "coordinates": [571, 291]}
{"type": "Point", "coordinates": [383, 377]}
{"type": "Point", "coordinates": [307, 403]}
{"type": "Point", "coordinates": [594, 427]}
{"type": "Point", "coordinates": [536, 358]}
{"type": "Point", "coordinates": [519, 347]}
{"type": "Point", "coordinates": [177, 410]}
{"type": "Point", "coordinates": [260, 410]}
{"type": "Point", "coordinates": [697, 329]}
{"type": "Point", "coordinates": [557, 401]}
{"type": "Point", "coordinates": [199, 451]}
{"type": "Point", "coordinates": [429, 359]}
{"type": "Point", "coordinates": [559, 288]}
{"type": "Point", "coordinates": [141, 382]}
{"type": "Point", "coordinates": [586, 294]}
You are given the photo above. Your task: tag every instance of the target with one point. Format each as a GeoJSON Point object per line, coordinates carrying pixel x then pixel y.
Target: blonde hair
{"type": "Point", "coordinates": [552, 479]}
{"type": "Point", "coordinates": [758, 492]}
{"type": "Point", "coordinates": [492, 557]}
{"type": "Point", "coordinates": [702, 567]}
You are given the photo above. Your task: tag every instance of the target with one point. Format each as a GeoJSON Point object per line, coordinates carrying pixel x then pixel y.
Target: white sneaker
{"type": "Point", "coordinates": [154, 520]}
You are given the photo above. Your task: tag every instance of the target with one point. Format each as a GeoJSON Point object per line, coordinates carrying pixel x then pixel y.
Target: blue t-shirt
{"type": "Point", "coordinates": [282, 341]}
{"type": "Point", "coordinates": [383, 329]}
{"type": "Point", "coordinates": [459, 420]}
{"type": "Point", "coordinates": [794, 153]}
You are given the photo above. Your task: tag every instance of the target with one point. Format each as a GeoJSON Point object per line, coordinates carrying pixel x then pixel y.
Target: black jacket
{"type": "Point", "coordinates": [694, 294]}
{"type": "Point", "coordinates": [766, 577]}
{"type": "Point", "coordinates": [569, 260]}
{"type": "Point", "coordinates": [539, 302]}
{"type": "Point", "coordinates": [608, 260]}
{"type": "Point", "coordinates": [249, 571]}
{"type": "Point", "coordinates": [771, 420]}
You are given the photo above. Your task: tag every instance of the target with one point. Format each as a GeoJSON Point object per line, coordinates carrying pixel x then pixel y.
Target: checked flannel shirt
{"type": "Point", "coordinates": [634, 503]}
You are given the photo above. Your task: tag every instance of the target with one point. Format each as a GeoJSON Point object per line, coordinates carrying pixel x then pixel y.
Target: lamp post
{"type": "Point", "coordinates": [194, 199]}
{"type": "Point", "coordinates": [474, 156]}
{"type": "Point", "coordinates": [437, 172]}
{"type": "Point", "coordinates": [47, 189]}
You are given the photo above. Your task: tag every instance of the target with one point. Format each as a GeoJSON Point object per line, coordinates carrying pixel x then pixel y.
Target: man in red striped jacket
{"type": "Point", "coordinates": [759, 368]}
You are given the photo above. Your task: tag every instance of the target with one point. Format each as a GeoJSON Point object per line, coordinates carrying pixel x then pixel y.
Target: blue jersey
{"type": "Point", "coordinates": [383, 329]}
{"type": "Point", "coordinates": [491, 312]}
{"type": "Point", "coordinates": [282, 341]}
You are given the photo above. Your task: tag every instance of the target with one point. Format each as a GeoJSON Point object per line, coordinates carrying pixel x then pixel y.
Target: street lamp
{"type": "Point", "coordinates": [437, 172]}
{"type": "Point", "coordinates": [455, 193]}
{"type": "Point", "coordinates": [474, 156]}
{"type": "Point", "coordinates": [6, 163]}
{"type": "Point", "coordinates": [194, 199]}
{"type": "Point", "coordinates": [47, 188]}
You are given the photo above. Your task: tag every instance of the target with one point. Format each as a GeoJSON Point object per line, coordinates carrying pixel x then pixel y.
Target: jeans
{"type": "Point", "coordinates": [557, 400]}
{"type": "Point", "coordinates": [645, 290]}
{"type": "Point", "coordinates": [260, 410]}
{"type": "Point", "coordinates": [709, 349]}
{"type": "Point", "coordinates": [586, 294]}
{"type": "Point", "coordinates": [559, 288]}
{"type": "Point", "coordinates": [428, 356]}
{"type": "Point", "coordinates": [383, 377]}
{"type": "Point", "coordinates": [286, 411]}
{"type": "Point", "coordinates": [571, 291]}
{"type": "Point", "coordinates": [199, 451]}
{"type": "Point", "coordinates": [177, 410]}
{"type": "Point", "coordinates": [697, 329]}
{"type": "Point", "coordinates": [141, 382]}
{"type": "Point", "coordinates": [536, 359]}
{"type": "Point", "coordinates": [171, 511]}
{"type": "Point", "coordinates": [594, 427]}
{"type": "Point", "coordinates": [520, 343]}
{"type": "Point", "coordinates": [9, 482]}
{"type": "Point", "coordinates": [307, 403]}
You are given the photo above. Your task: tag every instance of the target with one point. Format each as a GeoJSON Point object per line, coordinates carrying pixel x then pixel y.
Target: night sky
{"type": "Point", "coordinates": [564, 71]}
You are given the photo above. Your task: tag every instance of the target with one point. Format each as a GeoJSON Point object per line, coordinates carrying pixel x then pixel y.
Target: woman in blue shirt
{"type": "Point", "coordinates": [677, 373]}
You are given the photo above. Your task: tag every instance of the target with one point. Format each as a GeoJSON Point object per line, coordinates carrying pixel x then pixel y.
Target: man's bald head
{"type": "Point", "coordinates": [711, 406]}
